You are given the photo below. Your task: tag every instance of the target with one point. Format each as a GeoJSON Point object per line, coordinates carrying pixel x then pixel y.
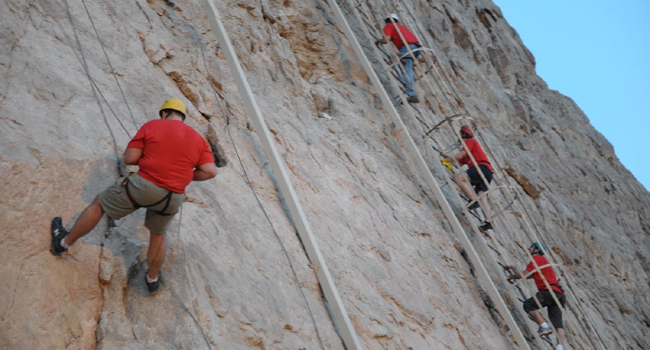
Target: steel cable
{"type": "Point", "coordinates": [109, 63]}
{"type": "Point", "coordinates": [226, 117]}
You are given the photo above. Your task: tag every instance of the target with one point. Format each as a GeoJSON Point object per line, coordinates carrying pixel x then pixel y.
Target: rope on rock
{"type": "Point", "coordinates": [90, 79]}
{"type": "Point", "coordinates": [176, 296]}
{"type": "Point", "coordinates": [226, 116]}
{"type": "Point", "coordinates": [109, 63]}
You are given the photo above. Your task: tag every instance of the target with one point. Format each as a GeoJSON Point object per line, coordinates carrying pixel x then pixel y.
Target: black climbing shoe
{"type": "Point", "coordinates": [474, 205]}
{"type": "Point", "coordinates": [58, 233]}
{"type": "Point", "coordinates": [153, 287]}
{"type": "Point", "coordinates": [413, 99]}
{"type": "Point", "coordinates": [486, 226]}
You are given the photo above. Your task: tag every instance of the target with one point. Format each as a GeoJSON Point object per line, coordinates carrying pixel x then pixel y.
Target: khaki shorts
{"type": "Point", "coordinates": [117, 205]}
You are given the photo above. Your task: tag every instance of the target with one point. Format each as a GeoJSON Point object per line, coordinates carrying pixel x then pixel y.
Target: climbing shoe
{"type": "Point", "coordinates": [486, 226]}
{"type": "Point", "coordinates": [544, 330]}
{"type": "Point", "coordinates": [413, 99]}
{"type": "Point", "coordinates": [474, 205]}
{"type": "Point", "coordinates": [58, 233]}
{"type": "Point", "coordinates": [154, 286]}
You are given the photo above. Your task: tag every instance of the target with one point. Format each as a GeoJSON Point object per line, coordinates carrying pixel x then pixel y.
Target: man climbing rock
{"type": "Point", "coordinates": [170, 155]}
{"type": "Point", "coordinates": [537, 250]}
{"type": "Point", "coordinates": [472, 174]}
{"type": "Point", "coordinates": [392, 32]}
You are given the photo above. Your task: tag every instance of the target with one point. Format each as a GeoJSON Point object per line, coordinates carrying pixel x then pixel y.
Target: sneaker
{"type": "Point", "coordinates": [413, 99]}
{"type": "Point", "coordinates": [486, 226]}
{"type": "Point", "coordinates": [544, 330]}
{"type": "Point", "coordinates": [58, 233]}
{"type": "Point", "coordinates": [474, 205]}
{"type": "Point", "coordinates": [153, 287]}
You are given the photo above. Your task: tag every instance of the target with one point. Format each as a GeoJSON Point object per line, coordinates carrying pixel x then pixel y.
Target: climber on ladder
{"type": "Point", "coordinates": [471, 175]}
{"type": "Point", "coordinates": [392, 30]}
{"type": "Point", "coordinates": [170, 155]}
{"type": "Point", "coordinates": [544, 295]}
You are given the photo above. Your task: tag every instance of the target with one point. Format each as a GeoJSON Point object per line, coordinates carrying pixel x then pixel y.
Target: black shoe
{"type": "Point", "coordinates": [413, 99]}
{"type": "Point", "coordinates": [474, 205]}
{"type": "Point", "coordinates": [58, 233]}
{"type": "Point", "coordinates": [153, 287]}
{"type": "Point", "coordinates": [486, 226]}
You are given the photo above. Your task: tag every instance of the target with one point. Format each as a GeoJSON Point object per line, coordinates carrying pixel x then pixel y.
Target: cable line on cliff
{"type": "Point", "coordinates": [101, 42]}
{"type": "Point", "coordinates": [93, 86]}
{"type": "Point", "coordinates": [342, 321]}
{"type": "Point", "coordinates": [226, 116]}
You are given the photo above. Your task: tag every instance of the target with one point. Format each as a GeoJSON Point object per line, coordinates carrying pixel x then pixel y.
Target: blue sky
{"type": "Point", "coordinates": [598, 53]}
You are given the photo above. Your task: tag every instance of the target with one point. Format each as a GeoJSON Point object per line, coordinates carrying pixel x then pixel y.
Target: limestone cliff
{"type": "Point", "coordinates": [66, 115]}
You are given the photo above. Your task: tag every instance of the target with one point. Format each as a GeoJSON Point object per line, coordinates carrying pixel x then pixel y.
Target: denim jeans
{"type": "Point", "coordinates": [407, 62]}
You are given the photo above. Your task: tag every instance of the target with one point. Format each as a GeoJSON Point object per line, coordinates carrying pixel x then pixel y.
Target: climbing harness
{"type": "Point", "coordinates": [136, 205]}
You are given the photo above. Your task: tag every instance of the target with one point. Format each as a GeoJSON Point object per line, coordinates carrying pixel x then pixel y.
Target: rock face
{"type": "Point", "coordinates": [234, 279]}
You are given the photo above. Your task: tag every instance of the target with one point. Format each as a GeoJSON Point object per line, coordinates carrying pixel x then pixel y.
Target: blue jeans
{"type": "Point", "coordinates": [407, 62]}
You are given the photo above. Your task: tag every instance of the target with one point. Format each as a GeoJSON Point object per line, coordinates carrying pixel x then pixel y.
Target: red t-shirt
{"type": "Point", "coordinates": [548, 273]}
{"type": "Point", "coordinates": [477, 152]}
{"type": "Point", "coordinates": [171, 151]}
{"type": "Point", "coordinates": [391, 31]}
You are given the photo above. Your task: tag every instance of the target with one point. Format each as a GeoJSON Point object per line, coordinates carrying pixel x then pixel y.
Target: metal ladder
{"type": "Point", "coordinates": [361, 13]}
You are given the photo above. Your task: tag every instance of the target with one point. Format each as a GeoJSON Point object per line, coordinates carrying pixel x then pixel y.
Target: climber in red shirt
{"type": "Point", "coordinates": [472, 174]}
{"type": "Point", "coordinates": [392, 30]}
{"type": "Point", "coordinates": [170, 154]}
{"type": "Point", "coordinates": [546, 299]}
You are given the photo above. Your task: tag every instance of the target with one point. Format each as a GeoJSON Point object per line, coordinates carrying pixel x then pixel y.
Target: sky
{"type": "Point", "coordinates": [597, 53]}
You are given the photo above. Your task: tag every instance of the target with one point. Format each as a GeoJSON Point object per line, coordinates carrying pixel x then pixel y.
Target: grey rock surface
{"type": "Point", "coordinates": [228, 283]}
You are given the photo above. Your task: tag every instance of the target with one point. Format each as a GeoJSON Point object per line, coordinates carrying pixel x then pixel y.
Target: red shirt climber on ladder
{"type": "Point", "coordinates": [472, 174]}
{"type": "Point", "coordinates": [392, 30]}
{"type": "Point", "coordinates": [544, 296]}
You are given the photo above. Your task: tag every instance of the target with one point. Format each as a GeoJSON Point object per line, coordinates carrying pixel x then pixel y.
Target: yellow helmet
{"type": "Point", "coordinates": [173, 104]}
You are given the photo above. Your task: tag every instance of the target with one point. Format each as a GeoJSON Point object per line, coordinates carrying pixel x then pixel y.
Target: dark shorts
{"type": "Point", "coordinates": [475, 178]}
{"type": "Point", "coordinates": [547, 301]}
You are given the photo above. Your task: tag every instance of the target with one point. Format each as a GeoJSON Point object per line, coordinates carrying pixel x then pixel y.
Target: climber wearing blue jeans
{"type": "Point", "coordinates": [395, 32]}
{"type": "Point", "coordinates": [407, 62]}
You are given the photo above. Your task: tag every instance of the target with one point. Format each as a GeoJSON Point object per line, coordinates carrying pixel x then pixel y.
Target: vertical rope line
{"type": "Point", "coordinates": [176, 296]}
{"type": "Point", "coordinates": [277, 236]}
{"type": "Point", "coordinates": [81, 61]}
{"type": "Point", "coordinates": [109, 63]}
{"type": "Point", "coordinates": [92, 84]}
